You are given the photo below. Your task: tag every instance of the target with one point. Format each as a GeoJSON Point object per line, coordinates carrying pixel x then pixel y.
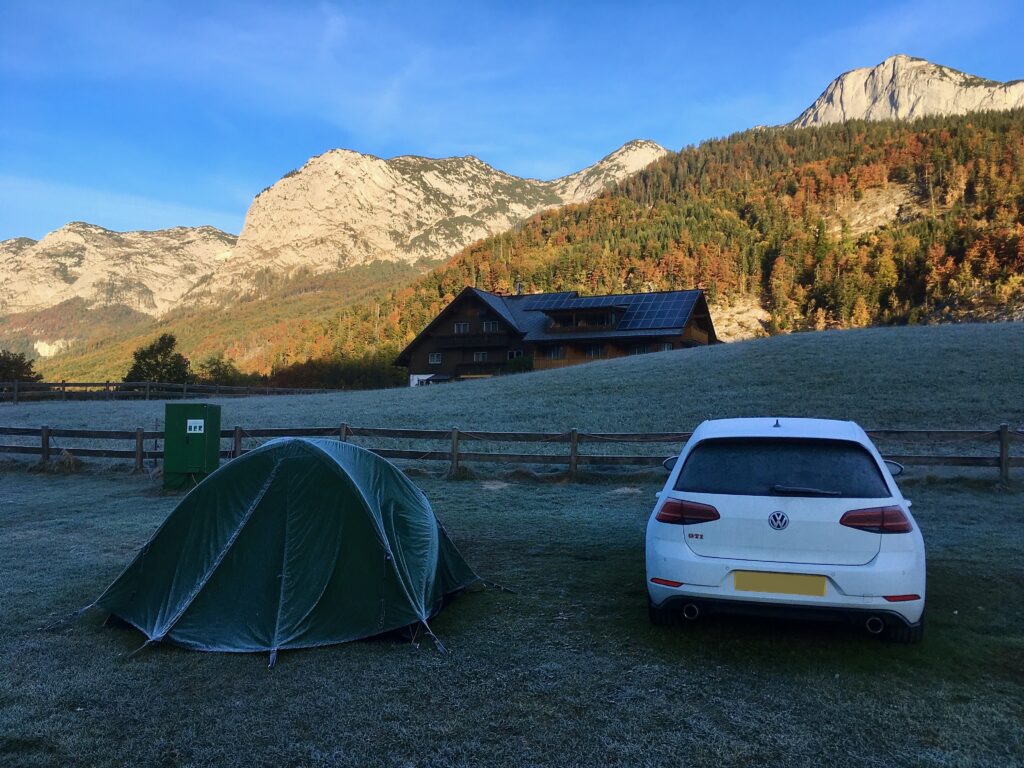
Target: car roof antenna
{"type": "Point", "coordinates": [776, 424]}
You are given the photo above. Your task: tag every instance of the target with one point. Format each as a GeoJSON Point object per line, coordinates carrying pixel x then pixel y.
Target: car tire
{"type": "Point", "coordinates": [898, 632]}
{"type": "Point", "coordinates": [662, 617]}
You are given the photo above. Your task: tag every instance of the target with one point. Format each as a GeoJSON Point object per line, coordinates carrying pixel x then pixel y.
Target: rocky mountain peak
{"type": "Point", "coordinates": [146, 271]}
{"type": "Point", "coordinates": [345, 208]}
{"type": "Point", "coordinates": [903, 88]}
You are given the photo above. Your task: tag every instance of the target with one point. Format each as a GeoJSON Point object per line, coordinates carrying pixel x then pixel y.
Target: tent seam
{"type": "Point", "coordinates": [380, 531]}
{"type": "Point", "coordinates": [284, 573]}
{"type": "Point", "coordinates": [169, 625]}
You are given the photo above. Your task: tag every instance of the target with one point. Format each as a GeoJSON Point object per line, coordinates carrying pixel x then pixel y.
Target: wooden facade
{"type": "Point", "coordinates": [483, 334]}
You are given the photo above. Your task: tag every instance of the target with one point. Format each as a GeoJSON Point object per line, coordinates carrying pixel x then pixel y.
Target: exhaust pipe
{"type": "Point", "coordinates": [690, 611]}
{"type": "Point", "coordinates": [874, 625]}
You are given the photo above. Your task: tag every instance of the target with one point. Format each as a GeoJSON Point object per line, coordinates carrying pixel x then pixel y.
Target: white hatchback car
{"type": "Point", "coordinates": [786, 516]}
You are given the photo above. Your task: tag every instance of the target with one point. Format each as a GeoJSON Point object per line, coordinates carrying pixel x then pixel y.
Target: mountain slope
{"type": "Point", "coordinates": [761, 216]}
{"type": "Point", "coordinates": [844, 226]}
{"type": "Point", "coordinates": [343, 209]}
{"type": "Point", "coordinates": [904, 88]}
{"type": "Point", "coordinates": [341, 212]}
{"type": "Point", "coordinates": [148, 272]}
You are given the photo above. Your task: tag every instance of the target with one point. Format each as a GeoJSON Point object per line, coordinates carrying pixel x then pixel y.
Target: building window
{"type": "Point", "coordinates": [595, 350]}
{"type": "Point", "coordinates": [556, 353]}
{"type": "Point", "coordinates": [639, 349]}
{"type": "Point", "coordinates": [462, 327]}
{"type": "Point", "coordinates": [479, 357]}
{"type": "Point", "coordinates": [515, 354]}
{"type": "Point", "coordinates": [665, 346]}
{"type": "Point", "coordinates": [434, 358]}
{"type": "Point", "coordinates": [491, 326]}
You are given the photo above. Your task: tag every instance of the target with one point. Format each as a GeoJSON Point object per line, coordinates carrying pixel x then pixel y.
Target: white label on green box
{"type": "Point", "coordinates": [195, 426]}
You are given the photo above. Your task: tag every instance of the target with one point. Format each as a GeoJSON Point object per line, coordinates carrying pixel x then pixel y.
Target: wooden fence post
{"type": "Point", "coordinates": [140, 449]}
{"type": "Point", "coordinates": [14, 393]}
{"type": "Point", "coordinates": [236, 445]}
{"type": "Point", "coordinates": [453, 471]}
{"type": "Point", "coordinates": [44, 444]}
{"type": "Point", "coordinates": [184, 390]}
{"type": "Point", "coordinates": [106, 390]}
{"type": "Point", "coordinates": [574, 440]}
{"type": "Point", "coordinates": [63, 389]}
{"type": "Point", "coordinates": [343, 433]}
{"type": "Point", "coordinates": [1004, 452]}
{"type": "Point", "coordinates": [147, 390]}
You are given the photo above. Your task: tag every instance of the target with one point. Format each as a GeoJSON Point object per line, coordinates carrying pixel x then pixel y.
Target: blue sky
{"type": "Point", "coordinates": [138, 115]}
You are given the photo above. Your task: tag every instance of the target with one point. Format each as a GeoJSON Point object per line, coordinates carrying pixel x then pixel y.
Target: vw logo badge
{"type": "Point", "coordinates": [778, 520]}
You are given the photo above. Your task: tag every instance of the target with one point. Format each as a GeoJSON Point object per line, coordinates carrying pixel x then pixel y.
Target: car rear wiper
{"type": "Point", "coordinates": [795, 490]}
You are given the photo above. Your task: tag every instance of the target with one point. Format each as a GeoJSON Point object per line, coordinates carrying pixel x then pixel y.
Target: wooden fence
{"type": "Point", "coordinates": [46, 437]}
{"type": "Point", "coordinates": [22, 391]}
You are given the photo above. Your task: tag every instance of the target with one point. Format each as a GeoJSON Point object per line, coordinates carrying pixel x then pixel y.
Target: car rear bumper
{"type": "Point", "coordinates": [830, 613]}
{"type": "Point", "coordinates": [859, 589]}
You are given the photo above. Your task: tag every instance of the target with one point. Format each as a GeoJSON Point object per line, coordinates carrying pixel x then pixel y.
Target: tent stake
{"type": "Point", "coordinates": [437, 643]}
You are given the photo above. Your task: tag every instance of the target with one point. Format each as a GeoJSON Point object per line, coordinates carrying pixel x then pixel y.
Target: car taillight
{"type": "Point", "coordinates": [667, 582]}
{"type": "Point", "coordinates": [877, 520]}
{"type": "Point", "coordinates": [686, 513]}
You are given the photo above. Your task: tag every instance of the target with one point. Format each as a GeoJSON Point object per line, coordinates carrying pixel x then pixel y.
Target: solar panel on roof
{"type": "Point", "coordinates": [666, 310]}
{"type": "Point", "coordinates": [549, 300]}
{"type": "Point", "coordinates": [641, 311]}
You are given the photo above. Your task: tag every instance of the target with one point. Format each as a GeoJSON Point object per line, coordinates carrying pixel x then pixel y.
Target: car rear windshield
{"type": "Point", "coordinates": [782, 467]}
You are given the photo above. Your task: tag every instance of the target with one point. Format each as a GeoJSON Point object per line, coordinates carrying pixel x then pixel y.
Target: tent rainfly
{"type": "Point", "coordinates": [298, 543]}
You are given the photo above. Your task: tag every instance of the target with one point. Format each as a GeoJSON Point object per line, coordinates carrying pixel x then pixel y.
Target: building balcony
{"type": "Point", "coordinates": [464, 340]}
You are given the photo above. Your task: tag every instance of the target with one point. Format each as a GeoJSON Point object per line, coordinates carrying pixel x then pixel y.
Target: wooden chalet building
{"type": "Point", "coordinates": [485, 334]}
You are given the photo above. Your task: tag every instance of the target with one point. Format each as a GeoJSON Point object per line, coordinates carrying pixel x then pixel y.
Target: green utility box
{"type": "Point", "coordinates": [191, 443]}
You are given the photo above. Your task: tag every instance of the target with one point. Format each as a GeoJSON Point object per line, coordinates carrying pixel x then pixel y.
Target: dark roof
{"type": "Point", "coordinates": [496, 303]}
{"type": "Point", "coordinates": [644, 315]}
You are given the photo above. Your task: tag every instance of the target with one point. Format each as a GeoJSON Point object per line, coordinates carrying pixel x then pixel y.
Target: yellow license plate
{"type": "Point", "coordinates": [780, 583]}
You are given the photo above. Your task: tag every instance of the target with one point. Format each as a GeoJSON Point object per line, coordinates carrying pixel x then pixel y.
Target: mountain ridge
{"type": "Point", "coordinates": [154, 271]}
{"type": "Point", "coordinates": [344, 208]}
{"type": "Point", "coordinates": [905, 87]}
{"type": "Point", "coordinates": [102, 266]}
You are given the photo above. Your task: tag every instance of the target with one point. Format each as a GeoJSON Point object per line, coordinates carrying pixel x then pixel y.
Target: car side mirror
{"type": "Point", "coordinates": [670, 463]}
{"type": "Point", "coordinates": [895, 468]}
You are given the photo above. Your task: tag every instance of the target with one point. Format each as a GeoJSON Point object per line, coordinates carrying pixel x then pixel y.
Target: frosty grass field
{"type": "Point", "coordinates": [567, 670]}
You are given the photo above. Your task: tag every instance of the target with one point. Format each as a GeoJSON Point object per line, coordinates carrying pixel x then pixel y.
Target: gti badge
{"type": "Point", "coordinates": [778, 520]}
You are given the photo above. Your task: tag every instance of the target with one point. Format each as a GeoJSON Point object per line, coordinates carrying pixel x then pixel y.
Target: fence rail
{"type": "Point", "coordinates": [22, 391]}
{"type": "Point", "coordinates": [455, 455]}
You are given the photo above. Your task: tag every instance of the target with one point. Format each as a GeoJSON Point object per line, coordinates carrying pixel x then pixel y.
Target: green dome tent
{"type": "Point", "coordinates": [296, 544]}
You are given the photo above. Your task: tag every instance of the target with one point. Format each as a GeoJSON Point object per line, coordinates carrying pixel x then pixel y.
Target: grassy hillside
{"type": "Point", "coordinates": [567, 670]}
{"type": "Point", "coordinates": [279, 326]}
{"type": "Point", "coordinates": [952, 376]}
